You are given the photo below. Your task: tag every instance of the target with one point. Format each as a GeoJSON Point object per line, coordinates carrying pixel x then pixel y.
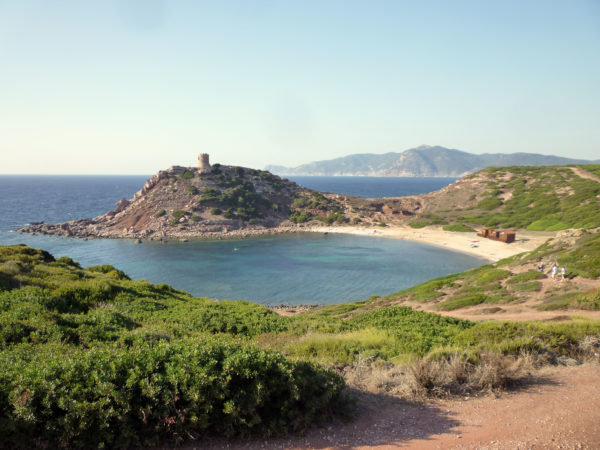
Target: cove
{"type": "Point", "coordinates": [307, 268]}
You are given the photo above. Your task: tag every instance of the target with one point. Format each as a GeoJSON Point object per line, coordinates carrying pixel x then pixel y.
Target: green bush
{"type": "Point", "coordinates": [462, 301]}
{"type": "Point", "coordinates": [216, 211]}
{"type": "Point", "coordinates": [336, 217]}
{"type": "Point", "coordinates": [489, 203]}
{"type": "Point", "coordinates": [160, 213]}
{"type": "Point", "coordinates": [459, 227]}
{"type": "Point", "coordinates": [300, 216]}
{"type": "Point", "coordinates": [187, 175]}
{"type": "Point", "coordinates": [123, 397]}
{"type": "Point", "coordinates": [178, 214]}
{"type": "Point", "coordinates": [419, 223]}
{"type": "Point", "coordinates": [417, 332]}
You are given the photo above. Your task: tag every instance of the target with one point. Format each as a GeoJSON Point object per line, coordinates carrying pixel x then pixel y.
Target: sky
{"type": "Point", "coordinates": [135, 86]}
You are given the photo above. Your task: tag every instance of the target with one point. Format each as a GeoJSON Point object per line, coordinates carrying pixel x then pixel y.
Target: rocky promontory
{"type": "Point", "coordinates": [200, 202]}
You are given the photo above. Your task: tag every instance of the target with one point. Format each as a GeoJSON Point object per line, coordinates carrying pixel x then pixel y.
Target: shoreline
{"type": "Point", "coordinates": [464, 242]}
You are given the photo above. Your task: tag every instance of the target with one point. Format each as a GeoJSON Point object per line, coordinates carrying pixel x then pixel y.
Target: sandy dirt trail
{"type": "Point", "coordinates": [558, 410]}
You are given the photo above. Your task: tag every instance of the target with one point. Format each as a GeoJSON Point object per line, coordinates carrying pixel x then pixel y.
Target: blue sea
{"type": "Point", "coordinates": [290, 269]}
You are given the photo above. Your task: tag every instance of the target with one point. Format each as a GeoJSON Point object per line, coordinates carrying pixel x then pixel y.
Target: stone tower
{"type": "Point", "coordinates": [203, 164]}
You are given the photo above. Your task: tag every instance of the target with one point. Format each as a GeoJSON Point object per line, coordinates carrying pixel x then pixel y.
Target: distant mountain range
{"type": "Point", "coordinates": [423, 161]}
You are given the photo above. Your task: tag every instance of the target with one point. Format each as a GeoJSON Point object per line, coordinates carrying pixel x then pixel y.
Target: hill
{"type": "Point", "coordinates": [536, 198]}
{"type": "Point", "coordinates": [91, 358]}
{"type": "Point", "coordinates": [183, 202]}
{"type": "Point", "coordinates": [423, 161]}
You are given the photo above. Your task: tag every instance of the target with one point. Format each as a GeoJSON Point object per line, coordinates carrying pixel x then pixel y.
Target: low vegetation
{"type": "Point", "coordinates": [312, 205]}
{"type": "Point", "coordinates": [91, 358]}
{"type": "Point", "coordinates": [513, 280]}
{"type": "Point", "coordinates": [547, 198]}
{"type": "Point", "coordinates": [540, 198]}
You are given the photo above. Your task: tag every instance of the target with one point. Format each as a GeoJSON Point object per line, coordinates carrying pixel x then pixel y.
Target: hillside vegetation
{"type": "Point", "coordinates": [535, 198]}
{"type": "Point", "coordinates": [517, 280]}
{"type": "Point", "coordinates": [89, 357]}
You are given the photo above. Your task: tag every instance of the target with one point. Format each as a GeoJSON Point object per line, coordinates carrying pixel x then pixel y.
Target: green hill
{"type": "Point", "coordinates": [546, 198]}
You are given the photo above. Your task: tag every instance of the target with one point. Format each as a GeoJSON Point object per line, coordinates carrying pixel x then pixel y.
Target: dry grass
{"type": "Point", "coordinates": [452, 375]}
{"type": "Point", "coordinates": [456, 373]}
{"type": "Point", "coordinates": [589, 347]}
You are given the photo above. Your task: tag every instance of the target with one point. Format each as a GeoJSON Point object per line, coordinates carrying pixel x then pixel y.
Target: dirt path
{"type": "Point", "coordinates": [584, 174]}
{"type": "Point", "coordinates": [561, 410]}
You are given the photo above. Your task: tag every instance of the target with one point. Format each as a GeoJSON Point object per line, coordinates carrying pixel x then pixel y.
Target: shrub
{"type": "Point", "coordinates": [211, 194]}
{"type": "Point", "coordinates": [419, 224]}
{"type": "Point", "coordinates": [110, 396]}
{"type": "Point", "coordinates": [337, 217]}
{"type": "Point", "coordinates": [192, 190]}
{"type": "Point", "coordinates": [462, 301]}
{"type": "Point", "coordinates": [216, 211]}
{"type": "Point", "coordinates": [160, 213]}
{"type": "Point", "coordinates": [187, 175]}
{"type": "Point", "coordinates": [110, 270]}
{"type": "Point", "coordinates": [459, 227]}
{"type": "Point", "coordinates": [178, 214]}
{"type": "Point", "coordinates": [300, 216]}
{"type": "Point", "coordinates": [489, 203]}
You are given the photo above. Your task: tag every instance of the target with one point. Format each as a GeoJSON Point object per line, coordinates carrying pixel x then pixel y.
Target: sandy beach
{"type": "Point", "coordinates": [457, 241]}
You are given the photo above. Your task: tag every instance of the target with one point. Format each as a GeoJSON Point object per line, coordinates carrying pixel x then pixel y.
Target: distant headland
{"type": "Point", "coordinates": [422, 161]}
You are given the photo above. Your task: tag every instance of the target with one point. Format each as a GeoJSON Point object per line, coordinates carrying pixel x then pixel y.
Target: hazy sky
{"type": "Point", "coordinates": [136, 86]}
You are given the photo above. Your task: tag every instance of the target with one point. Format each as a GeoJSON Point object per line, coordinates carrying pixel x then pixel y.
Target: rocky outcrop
{"type": "Point", "coordinates": [183, 202]}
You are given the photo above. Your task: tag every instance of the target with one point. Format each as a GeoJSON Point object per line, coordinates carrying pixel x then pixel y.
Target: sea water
{"type": "Point", "coordinates": [291, 269]}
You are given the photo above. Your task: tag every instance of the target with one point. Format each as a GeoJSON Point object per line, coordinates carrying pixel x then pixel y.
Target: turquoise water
{"type": "Point", "coordinates": [292, 269]}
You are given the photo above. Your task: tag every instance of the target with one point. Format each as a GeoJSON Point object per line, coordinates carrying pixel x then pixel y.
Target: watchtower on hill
{"type": "Point", "coordinates": [203, 164]}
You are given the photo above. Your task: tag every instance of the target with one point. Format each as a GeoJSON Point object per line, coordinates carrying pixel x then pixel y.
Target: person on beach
{"type": "Point", "coordinates": [554, 271]}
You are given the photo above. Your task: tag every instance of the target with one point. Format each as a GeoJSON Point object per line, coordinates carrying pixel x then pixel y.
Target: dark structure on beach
{"type": "Point", "coordinates": [507, 236]}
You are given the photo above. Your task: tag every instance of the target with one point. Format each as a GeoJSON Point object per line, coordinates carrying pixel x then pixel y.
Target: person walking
{"type": "Point", "coordinates": [563, 273]}
{"type": "Point", "coordinates": [554, 271]}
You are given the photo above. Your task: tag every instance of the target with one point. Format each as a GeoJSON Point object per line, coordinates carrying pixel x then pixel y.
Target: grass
{"type": "Point", "coordinates": [572, 300]}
